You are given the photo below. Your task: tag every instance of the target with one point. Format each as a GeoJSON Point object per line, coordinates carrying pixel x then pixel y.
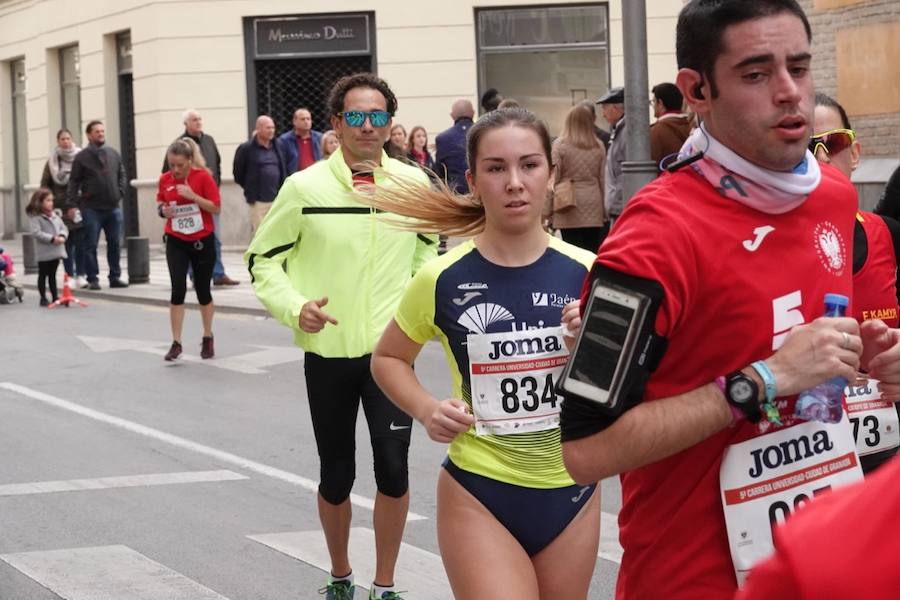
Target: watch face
{"type": "Point", "coordinates": [741, 391]}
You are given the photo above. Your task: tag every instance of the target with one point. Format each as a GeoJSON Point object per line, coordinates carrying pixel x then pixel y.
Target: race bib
{"type": "Point", "coordinates": [876, 427]}
{"type": "Point", "coordinates": [765, 479]}
{"type": "Point", "coordinates": [513, 376]}
{"type": "Point", "coordinates": [187, 219]}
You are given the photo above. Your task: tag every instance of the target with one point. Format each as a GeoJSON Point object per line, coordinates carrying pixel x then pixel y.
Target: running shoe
{"type": "Point", "coordinates": [206, 348]}
{"type": "Point", "coordinates": [174, 352]}
{"type": "Point", "coordinates": [338, 590]}
{"type": "Point", "coordinates": [385, 596]}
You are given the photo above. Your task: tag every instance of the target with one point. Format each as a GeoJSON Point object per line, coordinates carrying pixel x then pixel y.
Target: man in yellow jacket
{"type": "Point", "coordinates": [333, 271]}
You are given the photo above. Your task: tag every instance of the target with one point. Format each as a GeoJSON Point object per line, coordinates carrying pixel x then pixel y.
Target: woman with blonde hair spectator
{"type": "Point", "coordinates": [330, 143]}
{"type": "Point", "coordinates": [580, 159]}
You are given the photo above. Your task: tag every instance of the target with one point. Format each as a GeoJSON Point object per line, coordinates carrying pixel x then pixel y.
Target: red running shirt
{"type": "Point", "coordinates": [203, 185]}
{"type": "Point", "coordinates": [736, 280]}
{"type": "Point", "coordinates": [875, 285]}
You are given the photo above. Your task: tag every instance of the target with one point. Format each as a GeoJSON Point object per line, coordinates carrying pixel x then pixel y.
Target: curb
{"type": "Point", "coordinates": [114, 297]}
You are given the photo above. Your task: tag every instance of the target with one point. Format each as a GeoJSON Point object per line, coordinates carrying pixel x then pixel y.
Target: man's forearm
{"type": "Point", "coordinates": [647, 433]}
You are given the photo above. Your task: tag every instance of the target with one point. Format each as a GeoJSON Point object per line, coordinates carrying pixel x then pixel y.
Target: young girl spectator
{"type": "Point", "coordinates": [50, 235]}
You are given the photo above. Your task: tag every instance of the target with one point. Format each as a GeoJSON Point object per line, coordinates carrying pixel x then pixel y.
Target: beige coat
{"type": "Point", "coordinates": [586, 168]}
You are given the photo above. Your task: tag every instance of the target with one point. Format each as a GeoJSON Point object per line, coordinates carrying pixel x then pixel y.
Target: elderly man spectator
{"type": "Point", "coordinates": [193, 128]}
{"type": "Point", "coordinates": [97, 185]}
{"type": "Point", "coordinates": [672, 126]}
{"type": "Point", "coordinates": [612, 105]}
{"type": "Point", "coordinates": [301, 146]}
{"type": "Point", "coordinates": [259, 169]}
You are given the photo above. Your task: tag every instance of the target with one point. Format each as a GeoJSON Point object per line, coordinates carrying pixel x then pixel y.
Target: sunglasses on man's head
{"type": "Point", "coordinates": [833, 142]}
{"type": "Point", "coordinates": [356, 118]}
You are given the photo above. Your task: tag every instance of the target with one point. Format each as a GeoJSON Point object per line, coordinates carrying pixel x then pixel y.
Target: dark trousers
{"type": "Point", "coordinates": [110, 222]}
{"type": "Point", "coordinates": [588, 238]}
{"type": "Point", "coordinates": [47, 275]}
{"type": "Point", "coordinates": [74, 262]}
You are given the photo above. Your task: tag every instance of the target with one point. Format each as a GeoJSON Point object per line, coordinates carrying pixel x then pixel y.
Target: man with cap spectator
{"type": "Point", "coordinates": [672, 126]}
{"type": "Point", "coordinates": [612, 106]}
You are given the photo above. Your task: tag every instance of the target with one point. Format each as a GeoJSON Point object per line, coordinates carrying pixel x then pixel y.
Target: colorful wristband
{"type": "Point", "coordinates": [768, 407]}
{"type": "Point", "coordinates": [735, 411]}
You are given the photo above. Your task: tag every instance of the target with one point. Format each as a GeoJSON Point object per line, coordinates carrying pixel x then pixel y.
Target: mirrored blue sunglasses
{"type": "Point", "coordinates": [356, 118]}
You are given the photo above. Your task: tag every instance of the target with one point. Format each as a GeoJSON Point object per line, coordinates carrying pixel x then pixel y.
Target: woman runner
{"type": "Point", "coordinates": [511, 522]}
{"type": "Point", "coordinates": [188, 198]}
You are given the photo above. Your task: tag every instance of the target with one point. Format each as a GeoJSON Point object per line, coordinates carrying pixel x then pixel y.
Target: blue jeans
{"type": "Point", "coordinates": [218, 268]}
{"type": "Point", "coordinates": [110, 222]}
{"type": "Point", "coordinates": [74, 262]}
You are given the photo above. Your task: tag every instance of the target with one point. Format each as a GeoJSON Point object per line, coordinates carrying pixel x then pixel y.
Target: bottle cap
{"type": "Point", "coordinates": [838, 299]}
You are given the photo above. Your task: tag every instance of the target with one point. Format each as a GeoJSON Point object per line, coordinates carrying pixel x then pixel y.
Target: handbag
{"type": "Point", "coordinates": [563, 195]}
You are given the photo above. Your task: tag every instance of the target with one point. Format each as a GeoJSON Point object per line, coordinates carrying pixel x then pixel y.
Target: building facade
{"type": "Point", "coordinates": [137, 65]}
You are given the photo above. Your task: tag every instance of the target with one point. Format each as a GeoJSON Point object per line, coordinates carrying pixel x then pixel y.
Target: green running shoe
{"type": "Point", "coordinates": [338, 590]}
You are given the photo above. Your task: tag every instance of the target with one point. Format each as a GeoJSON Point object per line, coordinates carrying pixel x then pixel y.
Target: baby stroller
{"type": "Point", "coordinates": [9, 289]}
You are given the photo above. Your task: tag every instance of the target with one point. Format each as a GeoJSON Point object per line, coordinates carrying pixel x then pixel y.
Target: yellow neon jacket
{"type": "Point", "coordinates": [317, 240]}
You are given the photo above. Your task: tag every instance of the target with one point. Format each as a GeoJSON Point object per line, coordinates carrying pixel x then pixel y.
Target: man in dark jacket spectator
{"type": "Point", "coordinates": [450, 147]}
{"type": "Point", "coordinates": [301, 146]}
{"type": "Point", "coordinates": [193, 128]}
{"type": "Point", "coordinates": [672, 126]}
{"type": "Point", "coordinates": [259, 169]}
{"type": "Point", "coordinates": [889, 203]}
{"type": "Point", "coordinates": [96, 186]}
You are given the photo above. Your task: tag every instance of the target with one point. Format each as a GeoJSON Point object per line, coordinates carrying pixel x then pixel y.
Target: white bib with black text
{"type": "Point", "coordinates": [512, 375]}
{"type": "Point", "coordinates": [765, 479]}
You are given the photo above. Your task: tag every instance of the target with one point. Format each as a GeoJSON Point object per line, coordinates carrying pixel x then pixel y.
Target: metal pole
{"type": "Point", "coordinates": [637, 170]}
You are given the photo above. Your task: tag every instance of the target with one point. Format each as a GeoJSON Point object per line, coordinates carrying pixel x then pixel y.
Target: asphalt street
{"type": "Point", "coordinates": [124, 476]}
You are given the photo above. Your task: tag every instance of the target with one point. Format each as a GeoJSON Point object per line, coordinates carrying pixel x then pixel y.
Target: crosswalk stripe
{"type": "Point", "coordinates": [610, 549]}
{"type": "Point", "coordinates": [186, 444]}
{"type": "Point", "coordinates": [107, 573]}
{"type": "Point", "coordinates": [126, 481]}
{"type": "Point", "coordinates": [419, 572]}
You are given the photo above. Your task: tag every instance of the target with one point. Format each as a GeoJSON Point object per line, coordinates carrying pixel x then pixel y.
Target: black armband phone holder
{"type": "Point", "coordinates": [615, 352]}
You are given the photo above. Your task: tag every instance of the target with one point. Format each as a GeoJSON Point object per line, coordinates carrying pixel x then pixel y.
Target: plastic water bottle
{"type": "Point", "coordinates": [823, 402]}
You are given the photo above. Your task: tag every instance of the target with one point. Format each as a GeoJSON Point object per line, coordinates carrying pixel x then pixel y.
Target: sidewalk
{"type": "Point", "coordinates": [231, 299]}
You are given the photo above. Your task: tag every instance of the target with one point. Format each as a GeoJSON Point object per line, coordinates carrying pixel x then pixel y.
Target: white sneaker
{"type": "Point", "coordinates": [81, 282]}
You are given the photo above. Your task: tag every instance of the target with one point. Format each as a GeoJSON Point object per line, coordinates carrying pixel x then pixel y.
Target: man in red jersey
{"type": "Point", "coordinates": [744, 243]}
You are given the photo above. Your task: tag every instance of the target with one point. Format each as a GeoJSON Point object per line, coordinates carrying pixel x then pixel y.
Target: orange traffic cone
{"type": "Point", "coordinates": [67, 296]}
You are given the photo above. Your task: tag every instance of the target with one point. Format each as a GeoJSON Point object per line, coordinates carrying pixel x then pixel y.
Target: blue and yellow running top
{"type": "Point", "coordinates": [500, 328]}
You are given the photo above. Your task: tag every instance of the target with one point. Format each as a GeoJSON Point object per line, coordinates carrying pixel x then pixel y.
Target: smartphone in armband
{"type": "Point", "coordinates": [610, 358]}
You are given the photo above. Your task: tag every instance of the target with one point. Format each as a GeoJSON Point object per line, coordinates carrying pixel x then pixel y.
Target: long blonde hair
{"type": "Point", "coordinates": [578, 129]}
{"type": "Point", "coordinates": [438, 209]}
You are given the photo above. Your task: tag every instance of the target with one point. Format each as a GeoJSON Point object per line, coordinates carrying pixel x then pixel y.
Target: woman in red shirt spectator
{"type": "Point", "coordinates": [188, 197]}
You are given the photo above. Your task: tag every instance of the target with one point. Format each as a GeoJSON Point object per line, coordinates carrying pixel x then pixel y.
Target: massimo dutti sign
{"type": "Point", "coordinates": [311, 36]}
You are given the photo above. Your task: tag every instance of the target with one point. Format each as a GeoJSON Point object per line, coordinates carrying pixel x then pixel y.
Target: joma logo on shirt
{"type": "Point", "coordinates": [790, 451]}
{"type": "Point", "coordinates": [524, 347]}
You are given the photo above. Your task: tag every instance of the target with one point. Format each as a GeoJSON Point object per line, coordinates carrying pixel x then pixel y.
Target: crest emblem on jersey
{"type": "Point", "coordinates": [478, 318]}
{"type": "Point", "coordinates": [830, 247]}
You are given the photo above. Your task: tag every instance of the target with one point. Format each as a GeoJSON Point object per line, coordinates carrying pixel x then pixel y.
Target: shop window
{"type": "Point", "coordinates": [547, 58]}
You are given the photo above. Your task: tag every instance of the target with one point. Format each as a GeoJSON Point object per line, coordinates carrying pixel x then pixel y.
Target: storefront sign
{"type": "Point", "coordinates": [312, 36]}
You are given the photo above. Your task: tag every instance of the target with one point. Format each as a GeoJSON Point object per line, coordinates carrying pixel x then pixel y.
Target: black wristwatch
{"type": "Point", "coordinates": [743, 393]}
